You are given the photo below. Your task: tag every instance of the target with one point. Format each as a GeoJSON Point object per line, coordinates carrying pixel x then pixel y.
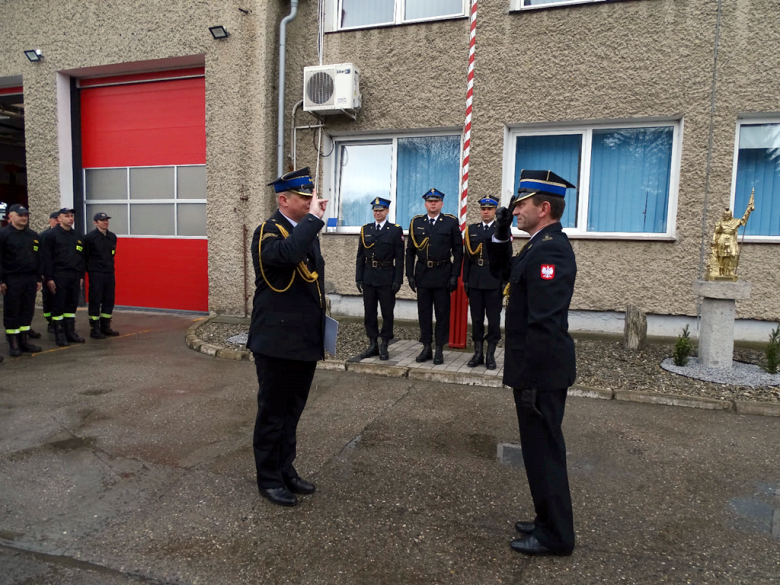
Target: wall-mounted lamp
{"type": "Point", "coordinates": [34, 55]}
{"type": "Point", "coordinates": [219, 32]}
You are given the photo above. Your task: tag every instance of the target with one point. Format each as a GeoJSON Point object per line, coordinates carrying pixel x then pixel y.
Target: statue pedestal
{"type": "Point", "coordinates": [716, 334]}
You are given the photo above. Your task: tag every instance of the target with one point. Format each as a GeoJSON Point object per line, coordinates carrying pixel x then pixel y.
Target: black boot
{"type": "Point", "coordinates": [59, 333]}
{"type": "Point", "coordinates": [425, 354]}
{"type": "Point", "coordinates": [25, 345]}
{"type": "Point", "coordinates": [33, 334]}
{"type": "Point", "coordinates": [50, 326]}
{"type": "Point", "coordinates": [105, 327]}
{"type": "Point", "coordinates": [13, 344]}
{"type": "Point", "coordinates": [478, 358]}
{"type": "Point", "coordinates": [490, 358]}
{"type": "Point", "coordinates": [371, 351]}
{"type": "Point", "coordinates": [438, 358]}
{"type": "Point", "coordinates": [96, 333]}
{"type": "Point", "coordinates": [383, 355]}
{"type": "Point", "coordinates": [70, 331]}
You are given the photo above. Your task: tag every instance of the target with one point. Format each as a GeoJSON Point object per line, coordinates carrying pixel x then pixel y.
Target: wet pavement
{"type": "Point", "coordinates": [129, 461]}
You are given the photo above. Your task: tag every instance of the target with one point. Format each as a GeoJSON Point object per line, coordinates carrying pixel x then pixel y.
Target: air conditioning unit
{"type": "Point", "coordinates": [331, 89]}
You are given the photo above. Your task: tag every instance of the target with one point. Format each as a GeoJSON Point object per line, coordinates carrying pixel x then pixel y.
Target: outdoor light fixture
{"type": "Point", "coordinates": [219, 32]}
{"type": "Point", "coordinates": [34, 55]}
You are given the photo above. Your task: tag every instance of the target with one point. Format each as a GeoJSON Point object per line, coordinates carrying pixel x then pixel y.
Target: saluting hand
{"type": "Point", "coordinates": [503, 224]}
{"type": "Point", "coordinates": [317, 206]}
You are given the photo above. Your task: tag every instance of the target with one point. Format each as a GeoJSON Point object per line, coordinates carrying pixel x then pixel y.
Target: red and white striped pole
{"type": "Point", "coordinates": [460, 302]}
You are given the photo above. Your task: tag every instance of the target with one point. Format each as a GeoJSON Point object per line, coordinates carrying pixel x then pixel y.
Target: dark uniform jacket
{"type": "Point", "coordinates": [63, 252]}
{"type": "Point", "coordinates": [476, 262]}
{"type": "Point", "coordinates": [99, 251]}
{"type": "Point", "coordinates": [288, 324]}
{"type": "Point", "coordinates": [539, 349]}
{"type": "Point", "coordinates": [19, 252]}
{"type": "Point", "coordinates": [380, 255]}
{"type": "Point", "coordinates": [438, 251]}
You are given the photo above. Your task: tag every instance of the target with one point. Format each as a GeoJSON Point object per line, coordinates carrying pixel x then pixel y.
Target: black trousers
{"type": "Point", "coordinates": [102, 293]}
{"type": "Point", "coordinates": [48, 301]}
{"type": "Point", "coordinates": [428, 301]}
{"type": "Point", "coordinates": [386, 299]}
{"type": "Point", "coordinates": [485, 301]}
{"type": "Point", "coordinates": [544, 455]}
{"type": "Point", "coordinates": [19, 302]}
{"type": "Point", "coordinates": [66, 299]}
{"type": "Point", "coordinates": [283, 390]}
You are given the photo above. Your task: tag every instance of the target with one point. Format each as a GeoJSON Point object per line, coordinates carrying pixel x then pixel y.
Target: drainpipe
{"type": "Point", "coordinates": [282, 45]}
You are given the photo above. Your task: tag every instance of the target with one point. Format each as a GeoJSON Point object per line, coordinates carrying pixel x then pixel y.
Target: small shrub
{"type": "Point", "coordinates": [772, 352]}
{"type": "Point", "coordinates": [683, 348]}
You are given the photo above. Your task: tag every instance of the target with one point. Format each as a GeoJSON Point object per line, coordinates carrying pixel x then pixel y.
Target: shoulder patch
{"type": "Point", "coordinates": [266, 236]}
{"type": "Point", "coordinates": [547, 238]}
{"type": "Point", "coordinates": [452, 216]}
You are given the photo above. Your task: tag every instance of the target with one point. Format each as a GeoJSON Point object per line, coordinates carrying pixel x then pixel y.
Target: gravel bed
{"type": "Point", "coordinates": [740, 374]}
{"type": "Point", "coordinates": [601, 362]}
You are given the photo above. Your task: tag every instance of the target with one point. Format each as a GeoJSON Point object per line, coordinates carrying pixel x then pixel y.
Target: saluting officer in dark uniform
{"type": "Point", "coordinates": [63, 269]}
{"type": "Point", "coordinates": [436, 244]}
{"type": "Point", "coordinates": [20, 279]}
{"type": "Point", "coordinates": [286, 333]}
{"type": "Point", "coordinates": [48, 298]}
{"type": "Point", "coordinates": [379, 275]}
{"type": "Point", "coordinates": [539, 359]}
{"type": "Point", "coordinates": [482, 288]}
{"type": "Point", "coordinates": [99, 253]}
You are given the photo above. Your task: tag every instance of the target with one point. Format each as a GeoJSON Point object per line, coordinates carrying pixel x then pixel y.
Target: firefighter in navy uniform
{"type": "Point", "coordinates": [286, 331]}
{"type": "Point", "coordinates": [48, 298]}
{"type": "Point", "coordinates": [379, 275]}
{"type": "Point", "coordinates": [99, 254]}
{"type": "Point", "coordinates": [481, 287]}
{"type": "Point", "coordinates": [63, 270]}
{"type": "Point", "coordinates": [20, 279]}
{"type": "Point", "coordinates": [539, 359]}
{"type": "Point", "coordinates": [434, 256]}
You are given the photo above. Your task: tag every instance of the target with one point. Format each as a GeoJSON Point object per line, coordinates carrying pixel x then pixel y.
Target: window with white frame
{"type": "Point", "coordinates": [625, 176]}
{"type": "Point", "coordinates": [167, 201]}
{"type": "Point", "coordinates": [364, 13]}
{"type": "Point", "coordinates": [398, 168]}
{"type": "Point", "coordinates": [530, 4]}
{"type": "Point", "coordinates": [757, 166]}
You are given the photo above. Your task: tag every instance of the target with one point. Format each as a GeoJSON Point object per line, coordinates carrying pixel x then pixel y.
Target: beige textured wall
{"type": "Point", "coordinates": [597, 62]}
{"type": "Point", "coordinates": [83, 33]}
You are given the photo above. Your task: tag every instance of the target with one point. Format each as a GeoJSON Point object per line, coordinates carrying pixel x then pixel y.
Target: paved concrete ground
{"type": "Point", "coordinates": [129, 460]}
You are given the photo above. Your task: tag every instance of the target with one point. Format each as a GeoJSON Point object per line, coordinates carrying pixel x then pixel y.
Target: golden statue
{"type": "Point", "coordinates": [724, 255]}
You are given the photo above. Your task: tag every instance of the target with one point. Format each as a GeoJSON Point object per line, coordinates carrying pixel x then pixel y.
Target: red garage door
{"type": "Point", "coordinates": [144, 156]}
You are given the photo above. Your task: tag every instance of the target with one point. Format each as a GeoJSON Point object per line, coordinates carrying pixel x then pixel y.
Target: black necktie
{"type": "Point", "coordinates": [433, 221]}
{"type": "Point", "coordinates": [377, 227]}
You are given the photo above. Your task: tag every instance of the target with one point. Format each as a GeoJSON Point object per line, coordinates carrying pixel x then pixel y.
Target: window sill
{"type": "Point", "coordinates": [761, 240]}
{"type": "Point", "coordinates": [394, 25]}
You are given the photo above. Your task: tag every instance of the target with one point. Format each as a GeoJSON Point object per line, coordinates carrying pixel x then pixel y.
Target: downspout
{"type": "Point", "coordinates": [282, 46]}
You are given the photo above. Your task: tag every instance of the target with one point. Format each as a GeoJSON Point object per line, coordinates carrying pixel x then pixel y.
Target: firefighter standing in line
{"type": "Point", "coordinates": [63, 269]}
{"type": "Point", "coordinates": [48, 298]}
{"type": "Point", "coordinates": [19, 279]}
{"type": "Point", "coordinates": [99, 253]}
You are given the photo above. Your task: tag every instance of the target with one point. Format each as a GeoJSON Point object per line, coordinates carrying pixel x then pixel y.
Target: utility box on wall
{"type": "Point", "coordinates": [331, 89]}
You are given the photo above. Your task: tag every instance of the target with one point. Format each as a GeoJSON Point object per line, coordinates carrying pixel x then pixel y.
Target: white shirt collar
{"type": "Point", "coordinates": [382, 224]}
{"type": "Point", "coordinates": [488, 224]}
{"type": "Point", "coordinates": [292, 223]}
{"type": "Point", "coordinates": [432, 218]}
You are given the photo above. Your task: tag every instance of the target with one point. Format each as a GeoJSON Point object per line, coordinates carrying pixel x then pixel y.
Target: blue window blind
{"type": "Point", "coordinates": [363, 13]}
{"type": "Point", "coordinates": [423, 163]}
{"type": "Point", "coordinates": [758, 166]}
{"type": "Point", "coordinates": [559, 154]}
{"type": "Point", "coordinates": [629, 180]}
{"type": "Point", "coordinates": [364, 174]}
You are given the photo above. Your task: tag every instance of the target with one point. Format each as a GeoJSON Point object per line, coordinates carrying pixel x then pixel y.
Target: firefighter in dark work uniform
{"type": "Point", "coordinates": [99, 253]}
{"type": "Point", "coordinates": [379, 273]}
{"type": "Point", "coordinates": [63, 270]}
{"type": "Point", "coordinates": [20, 279]}
{"type": "Point", "coordinates": [539, 361]}
{"type": "Point", "coordinates": [48, 298]}
{"type": "Point", "coordinates": [482, 288]}
{"type": "Point", "coordinates": [435, 243]}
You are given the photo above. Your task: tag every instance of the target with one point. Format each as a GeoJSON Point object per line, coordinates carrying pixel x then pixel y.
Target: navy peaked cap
{"type": "Point", "coordinates": [433, 194]}
{"type": "Point", "coordinates": [488, 202]}
{"type": "Point", "coordinates": [380, 203]}
{"type": "Point", "coordinates": [296, 181]}
{"type": "Point", "coordinates": [542, 182]}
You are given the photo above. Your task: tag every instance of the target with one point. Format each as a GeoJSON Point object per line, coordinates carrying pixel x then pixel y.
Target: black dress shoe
{"type": "Point", "coordinates": [300, 486]}
{"type": "Point", "coordinates": [438, 357]}
{"type": "Point", "coordinates": [280, 496]}
{"type": "Point", "coordinates": [525, 527]}
{"type": "Point", "coordinates": [529, 545]}
{"type": "Point", "coordinates": [425, 354]}
{"type": "Point", "coordinates": [383, 354]}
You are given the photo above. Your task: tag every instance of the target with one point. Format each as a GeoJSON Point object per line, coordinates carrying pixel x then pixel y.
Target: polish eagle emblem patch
{"type": "Point", "coordinates": [548, 271]}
